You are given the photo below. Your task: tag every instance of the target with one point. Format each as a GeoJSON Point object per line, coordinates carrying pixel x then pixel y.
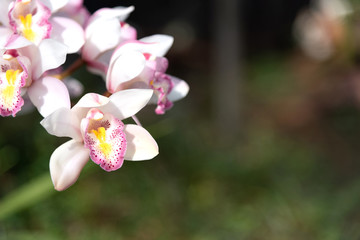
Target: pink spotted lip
{"type": "Point", "coordinates": [162, 86]}
{"type": "Point", "coordinates": [13, 75]}
{"type": "Point", "coordinates": [104, 137]}
{"type": "Point", "coordinates": [160, 82]}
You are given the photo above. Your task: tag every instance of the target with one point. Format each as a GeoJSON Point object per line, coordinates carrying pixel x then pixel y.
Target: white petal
{"type": "Point", "coordinates": [63, 123]}
{"type": "Point", "coordinates": [119, 13]}
{"type": "Point", "coordinates": [103, 31]}
{"type": "Point", "coordinates": [68, 32]}
{"type": "Point", "coordinates": [180, 89]}
{"type": "Point", "coordinates": [126, 103]}
{"type": "Point", "coordinates": [101, 36]}
{"type": "Point", "coordinates": [156, 45]}
{"type": "Point", "coordinates": [25, 63]}
{"type": "Point", "coordinates": [140, 144]}
{"type": "Point", "coordinates": [4, 10]}
{"type": "Point", "coordinates": [73, 5]}
{"type": "Point", "coordinates": [5, 34]}
{"type": "Point", "coordinates": [128, 33]}
{"type": "Point", "coordinates": [124, 68]}
{"type": "Point", "coordinates": [54, 5]}
{"type": "Point", "coordinates": [161, 44]}
{"type": "Point", "coordinates": [89, 100]}
{"type": "Point", "coordinates": [66, 163]}
{"type": "Point", "coordinates": [9, 40]}
{"type": "Point", "coordinates": [49, 94]}
{"type": "Point", "coordinates": [92, 100]}
{"type": "Point", "coordinates": [49, 55]}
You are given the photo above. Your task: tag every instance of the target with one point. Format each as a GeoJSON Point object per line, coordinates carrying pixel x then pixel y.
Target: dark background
{"type": "Point", "coordinates": [266, 25]}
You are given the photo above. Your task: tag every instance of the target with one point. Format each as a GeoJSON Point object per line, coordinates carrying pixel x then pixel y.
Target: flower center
{"type": "Point", "coordinates": [104, 146]}
{"type": "Point", "coordinates": [9, 91]}
{"type": "Point", "coordinates": [27, 31]}
{"type": "Point", "coordinates": [105, 138]}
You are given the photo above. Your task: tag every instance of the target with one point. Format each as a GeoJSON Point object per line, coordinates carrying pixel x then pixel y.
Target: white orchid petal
{"type": "Point", "coordinates": [88, 101]}
{"type": "Point", "coordinates": [73, 5]}
{"type": "Point", "coordinates": [126, 103]}
{"type": "Point", "coordinates": [180, 89]}
{"type": "Point", "coordinates": [103, 31]}
{"type": "Point", "coordinates": [156, 45]}
{"type": "Point", "coordinates": [49, 94]}
{"type": "Point", "coordinates": [5, 34]}
{"type": "Point", "coordinates": [119, 13]}
{"type": "Point", "coordinates": [91, 100]}
{"type": "Point", "coordinates": [54, 5]}
{"type": "Point", "coordinates": [101, 36]}
{"type": "Point", "coordinates": [63, 123]}
{"type": "Point", "coordinates": [4, 10]}
{"type": "Point", "coordinates": [128, 33]}
{"type": "Point", "coordinates": [124, 68]}
{"type": "Point", "coordinates": [68, 32]}
{"type": "Point", "coordinates": [140, 144]}
{"type": "Point", "coordinates": [51, 54]}
{"type": "Point", "coordinates": [160, 44]}
{"type": "Point", "coordinates": [66, 163]}
{"type": "Point", "coordinates": [9, 40]}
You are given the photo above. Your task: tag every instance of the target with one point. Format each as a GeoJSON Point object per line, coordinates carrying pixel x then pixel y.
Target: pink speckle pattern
{"type": "Point", "coordinates": [162, 86]}
{"type": "Point", "coordinates": [114, 136]}
{"type": "Point", "coordinates": [159, 81]}
{"type": "Point", "coordinates": [17, 101]}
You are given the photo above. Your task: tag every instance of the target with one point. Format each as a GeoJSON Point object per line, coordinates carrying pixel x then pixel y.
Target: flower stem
{"type": "Point", "coordinates": [136, 120]}
{"type": "Point", "coordinates": [107, 94]}
{"type": "Point", "coordinates": [73, 67]}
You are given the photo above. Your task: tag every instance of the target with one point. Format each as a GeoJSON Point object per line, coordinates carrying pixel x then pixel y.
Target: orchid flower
{"type": "Point", "coordinates": [41, 54]}
{"type": "Point", "coordinates": [140, 64]}
{"type": "Point", "coordinates": [31, 21]}
{"type": "Point", "coordinates": [104, 31]}
{"type": "Point", "coordinates": [75, 10]}
{"type": "Point", "coordinates": [13, 75]}
{"type": "Point", "coordinates": [96, 128]}
{"type": "Point", "coordinates": [21, 72]}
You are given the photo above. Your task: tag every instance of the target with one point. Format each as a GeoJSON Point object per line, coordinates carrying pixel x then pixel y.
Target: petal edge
{"type": "Point", "coordinates": [140, 144]}
{"type": "Point", "coordinates": [66, 163]}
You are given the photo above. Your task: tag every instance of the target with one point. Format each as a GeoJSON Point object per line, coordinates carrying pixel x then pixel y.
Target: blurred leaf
{"type": "Point", "coordinates": [8, 158]}
{"type": "Point", "coordinates": [27, 195]}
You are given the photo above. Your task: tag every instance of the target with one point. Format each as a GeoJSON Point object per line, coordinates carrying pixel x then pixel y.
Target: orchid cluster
{"type": "Point", "coordinates": [35, 38]}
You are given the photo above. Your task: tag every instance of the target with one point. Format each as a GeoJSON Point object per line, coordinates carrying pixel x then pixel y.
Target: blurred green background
{"type": "Point", "coordinates": [285, 165]}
